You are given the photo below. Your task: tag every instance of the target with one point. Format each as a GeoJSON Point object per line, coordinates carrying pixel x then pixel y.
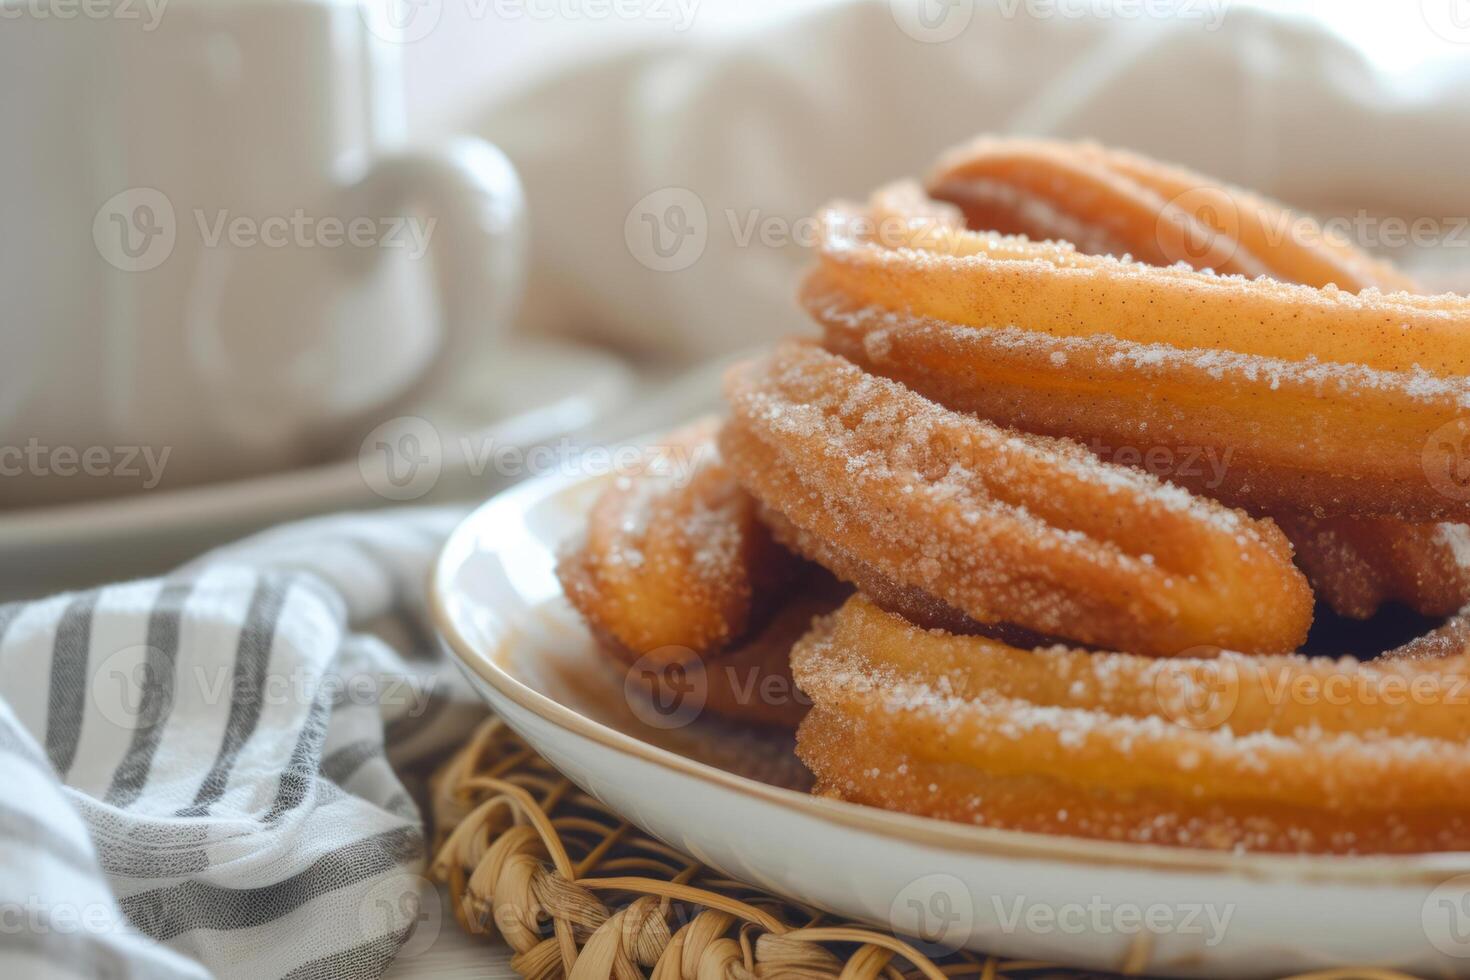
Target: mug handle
{"type": "Point", "coordinates": [478, 244]}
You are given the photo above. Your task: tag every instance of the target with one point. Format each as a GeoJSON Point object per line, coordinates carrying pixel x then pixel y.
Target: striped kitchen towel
{"type": "Point", "coordinates": [206, 774]}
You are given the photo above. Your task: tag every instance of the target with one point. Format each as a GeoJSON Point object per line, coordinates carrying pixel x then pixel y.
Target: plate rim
{"type": "Point", "coordinates": [1430, 868]}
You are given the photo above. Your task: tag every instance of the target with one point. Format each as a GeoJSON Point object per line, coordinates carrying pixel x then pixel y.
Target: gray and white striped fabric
{"type": "Point", "coordinates": [208, 774]}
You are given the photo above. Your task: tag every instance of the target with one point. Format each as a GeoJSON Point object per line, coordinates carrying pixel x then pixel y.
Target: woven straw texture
{"type": "Point", "coordinates": [578, 892]}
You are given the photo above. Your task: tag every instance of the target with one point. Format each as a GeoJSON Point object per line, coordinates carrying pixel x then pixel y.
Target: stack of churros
{"type": "Point", "coordinates": [1069, 401]}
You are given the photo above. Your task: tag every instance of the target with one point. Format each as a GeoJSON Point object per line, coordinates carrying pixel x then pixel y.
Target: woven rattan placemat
{"type": "Point", "coordinates": [578, 892]}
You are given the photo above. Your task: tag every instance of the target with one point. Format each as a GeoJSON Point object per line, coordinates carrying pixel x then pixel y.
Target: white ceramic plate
{"type": "Point", "coordinates": [1084, 903]}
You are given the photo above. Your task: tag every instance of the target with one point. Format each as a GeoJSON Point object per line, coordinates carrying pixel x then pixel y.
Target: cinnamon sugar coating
{"type": "Point", "coordinates": [1002, 526]}
{"type": "Point", "coordinates": [1278, 753]}
{"type": "Point", "coordinates": [674, 564]}
{"type": "Point", "coordinates": [1314, 399]}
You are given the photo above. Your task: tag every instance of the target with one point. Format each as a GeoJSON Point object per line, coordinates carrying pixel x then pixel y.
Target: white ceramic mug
{"type": "Point", "coordinates": [217, 256]}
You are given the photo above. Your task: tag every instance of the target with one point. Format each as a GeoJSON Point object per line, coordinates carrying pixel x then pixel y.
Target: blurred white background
{"type": "Point", "coordinates": [710, 120]}
{"type": "Point", "coordinates": [484, 50]}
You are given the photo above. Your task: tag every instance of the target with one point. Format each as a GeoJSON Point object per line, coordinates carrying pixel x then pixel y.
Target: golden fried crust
{"type": "Point", "coordinates": [1333, 439]}
{"type": "Point", "coordinates": [1265, 753]}
{"type": "Point", "coordinates": [1356, 565]}
{"type": "Point", "coordinates": [935, 267]}
{"type": "Point", "coordinates": [1108, 201]}
{"type": "Point", "coordinates": [1001, 526]}
{"type": "Point", "coordinates": [921, 608]}
{"type": "Point", "coordinates": [914, 604]}
{"type": "Point", "coordinates": [1448, 641]}
{"type": "Point", "coordinates": [1261, 394]}
{"type": "Point", "coordinates": [674, 563]}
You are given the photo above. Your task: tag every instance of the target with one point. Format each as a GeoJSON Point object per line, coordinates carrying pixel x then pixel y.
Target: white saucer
{"type": "Point", "coordinates": [534, 392]}
{"type": "Point", "coordinates": [1093, 904]}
